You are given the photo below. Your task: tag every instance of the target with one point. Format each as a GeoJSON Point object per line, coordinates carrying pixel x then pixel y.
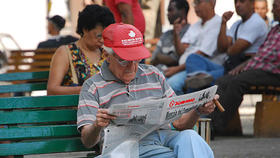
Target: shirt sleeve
{"type": "Point", "coordinates": [88, 105]}
{"type": "Point", "coordinates": [232, 29]}
{"type": "Point", "coordinates": [252, 31]}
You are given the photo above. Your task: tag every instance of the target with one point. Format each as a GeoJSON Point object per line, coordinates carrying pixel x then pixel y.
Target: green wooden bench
{"type": "Point", "coordinates": [39, 125]}
{"type": "Point", "coordinates": [23, 81]}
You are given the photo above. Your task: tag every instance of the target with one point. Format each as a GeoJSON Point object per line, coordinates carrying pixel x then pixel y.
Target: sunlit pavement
{"type": "Point", "coordinates": [246, 146]}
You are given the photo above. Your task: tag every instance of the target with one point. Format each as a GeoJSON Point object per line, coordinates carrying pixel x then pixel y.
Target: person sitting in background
{"type": "Point", "coordinates": [165, 54]}
{"type": "Point", "coordinates": [55, 24]}
{"type": "Point", "coordinates": [123, 79]}
{"type": "Point", "coordinates": [72, 64]}
{"type": "Point", "coordinates": [261, 70]}
{"type": "Point", "coordinates": [244, 37]}
{"type": "Point", "coordinates": [261, 8]}
{"type": "Point", "coordinates": [198, 46]}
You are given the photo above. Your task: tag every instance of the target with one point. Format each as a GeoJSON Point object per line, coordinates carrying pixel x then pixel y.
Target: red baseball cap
{"type": "Point", "coordinates": [126, 41]}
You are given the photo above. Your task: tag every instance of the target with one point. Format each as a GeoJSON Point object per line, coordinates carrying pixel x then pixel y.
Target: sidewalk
{"type": "Point", "coordinates": [246, 146]}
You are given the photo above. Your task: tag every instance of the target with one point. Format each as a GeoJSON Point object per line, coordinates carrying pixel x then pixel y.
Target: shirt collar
{"type": "Point", "coordinates": [107, 75]}
{"type": "Point", "coordinates": [57, 37]}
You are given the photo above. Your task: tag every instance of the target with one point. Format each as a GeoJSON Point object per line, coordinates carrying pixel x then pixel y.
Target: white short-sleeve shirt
{"type": "Point", "coordinates": [202, 37]}
{"type": "Point", "coordinates": [253, 30]}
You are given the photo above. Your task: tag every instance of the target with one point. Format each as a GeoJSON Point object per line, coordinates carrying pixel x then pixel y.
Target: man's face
{"type": "Point", "coordinates": [244, 7]}
{"type": "Point", "coordinates": [173, 12]}
{"type": "Point", "coordinates": [276, 10]}
{"type": "Point", "coordinates": [261, 8]}
{"type": "Point", "coordinates": [202, 8]}
{"type": "Point", "coordinates": [123, 70]}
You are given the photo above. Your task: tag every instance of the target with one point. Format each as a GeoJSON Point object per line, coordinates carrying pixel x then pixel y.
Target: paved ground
{"type": "Point", "coordinates": [246, 146]}
{"type": "Point", "coordinates": [231, 147]}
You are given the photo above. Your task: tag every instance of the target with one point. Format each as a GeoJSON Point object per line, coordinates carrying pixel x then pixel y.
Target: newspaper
{"type": "Point", "coordinates": [137, 119]}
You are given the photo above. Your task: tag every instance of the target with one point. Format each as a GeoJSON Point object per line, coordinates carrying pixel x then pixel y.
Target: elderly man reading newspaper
{"type": "Point", "coordinates": [123, 79]}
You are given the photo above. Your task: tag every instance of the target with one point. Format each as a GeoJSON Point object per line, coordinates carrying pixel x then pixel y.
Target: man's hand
{"type": "Point", "coordinates": [90, 133]}
{"type": "Point", "coordinates": [209, 107]}
{"type": "Point", "coordinates": [171, 71]}
{"type": "Point", "coordinates": [226, 16]}
{"type": "Point", "coordinates": [237, 69]}
{"type": "Point", "coordinates": [178, 25]}
{"type": "Point", "coordinates": [103, 118]}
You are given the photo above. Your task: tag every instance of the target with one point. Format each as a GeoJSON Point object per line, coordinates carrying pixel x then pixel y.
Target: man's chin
{"type": "Point", "coordinates": [129, 77]}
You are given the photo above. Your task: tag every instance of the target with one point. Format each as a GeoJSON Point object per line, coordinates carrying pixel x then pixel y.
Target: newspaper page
{"type": "Point", "coordinates": [137, 119]}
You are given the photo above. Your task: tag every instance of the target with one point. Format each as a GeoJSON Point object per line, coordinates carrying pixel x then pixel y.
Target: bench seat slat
{"type": "Point", "coordinates": [26, 87]}
{"type": "Point", "coordinates": [18, 117]}
{"type": "Point", "coordinates": [39, 101]}
{"type": "Point", "coordinates": [43, 146]}
{"type": "Point", "coordinates": [38, 132]}
{"type": "Point", "coordinates": [24, 76]}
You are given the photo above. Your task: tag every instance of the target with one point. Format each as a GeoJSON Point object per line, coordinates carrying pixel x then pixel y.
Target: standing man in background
{"type": "Point", "coordinates": [128, 12]}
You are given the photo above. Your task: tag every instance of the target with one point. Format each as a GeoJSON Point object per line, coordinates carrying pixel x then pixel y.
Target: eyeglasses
{"type": "Point", "coordinates": [98, 35]}
{"type": "Point", "coordinates": [124, 63]}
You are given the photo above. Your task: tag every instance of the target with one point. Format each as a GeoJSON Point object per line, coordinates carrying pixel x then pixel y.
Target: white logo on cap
{"type": "Point", "coordinates": [132, 40]}
{"type": "Point", "coordinates": [131, 34]}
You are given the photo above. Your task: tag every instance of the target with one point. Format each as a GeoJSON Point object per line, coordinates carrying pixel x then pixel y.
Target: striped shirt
{"type": "Point", "coordinates": [104, 89]}
{"type": "Point", "coordinates": [268, 56]}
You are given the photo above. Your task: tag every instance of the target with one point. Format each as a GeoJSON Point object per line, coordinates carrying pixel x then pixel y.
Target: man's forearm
{"type": "Point", "coordinates": [90, 135]}
{"type": "Point", "coordinates": [223, 42]}
{"type": "Point", "coordinates": [186, 121]}
{"type": "Point", "coordinates": [165, 59]}
{"type": "Point", "coordinates": [180, 47]}
{"type": "Point", "coordinates": [126, 13]}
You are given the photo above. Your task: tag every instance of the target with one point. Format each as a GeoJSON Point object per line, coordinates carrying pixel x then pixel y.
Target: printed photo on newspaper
{"type": "Point", "coordinates": [137, 119]}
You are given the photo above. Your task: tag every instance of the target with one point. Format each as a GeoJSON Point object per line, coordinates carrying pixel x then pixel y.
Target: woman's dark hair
{"type": "Point", "coordinates": [182, 4]}
{"type": "Point", "coordinates": [93, 15]}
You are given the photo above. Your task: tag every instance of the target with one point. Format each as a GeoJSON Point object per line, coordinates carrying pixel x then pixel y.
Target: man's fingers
{"type": "Point", "coordinates": [105, 116]}
{"type": "Point", "coordinates": [104, 111]}
{"type": "Point", "coordinates": [227, 15]}
{"type": "Point", "coordinates": [183, 22]}
{"type": "Point", "coordinates": [177, 20]}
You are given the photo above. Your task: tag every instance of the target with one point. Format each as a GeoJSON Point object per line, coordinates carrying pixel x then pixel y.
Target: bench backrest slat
{"type": "Point", "coordinates": [26, 87]}
{"type": "Point", "coordinates": [23, 81]}
{"type": "Point", "coordinates": [38, 132]}
{"type": "Point", "coordinates": [39, 101]}
{"type": "Point", "coordinates": [40, 116]}
{"type": "Point", "coordinates": [19, 76]}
